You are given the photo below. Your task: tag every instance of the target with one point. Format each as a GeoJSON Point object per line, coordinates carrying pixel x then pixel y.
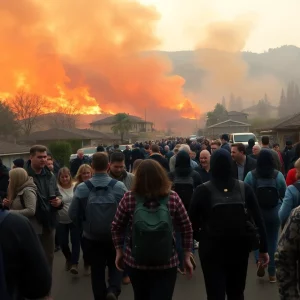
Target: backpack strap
{"type": "Point", "coordinates": [89, 185]}
{"type": "Point", "coordinates": [111, 184]}
{"type": "Point", "coordinates": [275, 174]}
{"type": "Point", "coordinates": [297, 186]}
{"type": "Point", "coordinates": [242, 189]}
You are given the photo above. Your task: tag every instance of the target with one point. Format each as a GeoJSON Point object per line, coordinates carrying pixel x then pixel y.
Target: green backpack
{"type": "Point", "coordinates": [152, 233]}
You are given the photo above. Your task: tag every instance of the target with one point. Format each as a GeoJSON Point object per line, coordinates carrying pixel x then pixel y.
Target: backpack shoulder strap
{"type": "Point", "coordinates": [112, 183]}
{"type": "Point", "coordinates": [297, 186]}
{"type": "Point", "coordinates": [254, 173]}
{"type": "Point", "coordinates": [242, 190]}
{"type": "Point", "coordinates": [3, 214]}
{"type": "Point", "coordinates": [275, 174]}
{"type": "Point", "coordinates": [89, 184]}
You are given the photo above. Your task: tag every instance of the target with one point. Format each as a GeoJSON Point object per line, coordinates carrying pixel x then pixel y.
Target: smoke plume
{"type": "Point", "coordinates": [89, 55]}
{"type": "Point", "coordinates": [219, 55]}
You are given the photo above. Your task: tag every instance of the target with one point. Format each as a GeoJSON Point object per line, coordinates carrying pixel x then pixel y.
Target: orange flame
{"type": "Point", "coordinates": [90, 57]}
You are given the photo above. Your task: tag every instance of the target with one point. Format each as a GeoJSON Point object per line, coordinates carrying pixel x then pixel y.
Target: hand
{"type": "Point", "coordinates": [120, 260]}
{"type": "Point", "coordinates": [188, 265]}
{"type": "Point", "coordinates": [6, 202]}
{"type": "Point", "coordinates": [264, 259]}
{"type": "Point", "coordinates": [56, 202]}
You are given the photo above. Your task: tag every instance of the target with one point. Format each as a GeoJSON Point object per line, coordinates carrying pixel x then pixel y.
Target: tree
{"type": "Point", "coordinates": [61, 151]}
{"type": "Point", "coordinates": [8, 120]}
{"type": "Point", "coordinates": [224, 102]}
{"type": "Point", "coordinates": [27, 107]}
{"type": "Point", "coordinates": [217, 115]}
{"type": "Point", "coordinates": [238, 104]}
{"type": "Point", "coordinates": [232, 102]}
{"type": "Point", "coordinates": [283, 108]}
{"type": "Point", "coordinates": [263, 108]}
{"type": "Point", "coordinates": [122, 125]}
{"type": "Point", "coordinates": [64, 117]}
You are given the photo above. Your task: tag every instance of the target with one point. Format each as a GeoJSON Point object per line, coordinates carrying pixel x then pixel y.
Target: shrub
{"type": "Point", "coordinates": [61, 151]}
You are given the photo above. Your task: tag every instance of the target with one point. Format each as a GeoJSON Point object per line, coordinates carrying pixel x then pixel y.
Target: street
{"type": "Point", "coordinates": [69, 287]}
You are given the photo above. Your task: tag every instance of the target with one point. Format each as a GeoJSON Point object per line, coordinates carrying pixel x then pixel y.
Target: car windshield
{"type": "Point", "coordinates": [244, 138]}
{"type": "Point", "coordinates": [122, 147]}
{"type": "Point", "coordinates": [89, 150]}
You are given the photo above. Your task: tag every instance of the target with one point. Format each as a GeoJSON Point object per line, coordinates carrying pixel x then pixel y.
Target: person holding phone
{"type": "Point", "coordinates": [49, 199]}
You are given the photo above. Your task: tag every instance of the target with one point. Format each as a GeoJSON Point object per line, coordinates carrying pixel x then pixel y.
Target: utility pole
{"type": "Point", "coordinates": [145, 119]}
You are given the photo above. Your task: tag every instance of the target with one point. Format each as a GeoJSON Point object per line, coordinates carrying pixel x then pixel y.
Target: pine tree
{"type": "Point", "coordinates": [232, 102]}
{"type": "Point", "coordinates": [224, 102]}
{"type": "Point", "coordinates": [238, 104]}
{"type": "Point", "coordinates": [282, 105]}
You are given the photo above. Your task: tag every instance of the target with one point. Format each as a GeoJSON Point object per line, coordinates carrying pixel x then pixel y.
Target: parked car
{"type": "Point", "coordinates": [242, 138]}
{"type": "Point", "coordinates": [123, 147]}
{"type": "Point", "coordinates": [89, 151]}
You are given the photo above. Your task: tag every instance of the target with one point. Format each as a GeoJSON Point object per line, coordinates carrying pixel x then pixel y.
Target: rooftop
{"type": "Point", "coordinates": [111, 120]}
{"type": "Point", "coordinates": [68, 134]}
{"type": "Point", "coordinates": [230, 120]}
{"type": "Point", "coordinates": [288, 122]}
{"type": "Point", "coordinates": [7, 148]}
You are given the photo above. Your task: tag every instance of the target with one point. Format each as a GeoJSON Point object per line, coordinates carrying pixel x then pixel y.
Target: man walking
{"type": "Point", "coordinates": [48, 198]}
{"type": "Point", "coordinates": [94, 206]}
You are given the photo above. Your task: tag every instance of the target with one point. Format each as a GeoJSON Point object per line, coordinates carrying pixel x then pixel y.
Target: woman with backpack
{"type": "Point", "coordinates": [66, 226]}
{"type": "Point", "coordinates": [184, 180]}
{"type": "Point", "coordinates": [151, 210]}
{"type": "Point", "coordinates": [269, 186]}
{"type": "Point", "coordinates": [22, 196]}
{"type": "Point", "coordinates": [292, 196]}
{"type": "Point", "coordinates": [221, 225]}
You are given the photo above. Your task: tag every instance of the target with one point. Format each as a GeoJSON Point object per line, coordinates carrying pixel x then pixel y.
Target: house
{"type": "Point", "coordinates": [285, 129]}
{"type": "Point", "coordinates": [138, 125]}
{"type": "Point", "coordinates": [237, 116]}
{"type": "Point", "coordinates": [10, 151]}
{"type": "Point", "coordinates": [83, 137]}
{"type": "Point", "coordinates": [269, 112]}
{"type": "Point", "coordinates": [228, 126]}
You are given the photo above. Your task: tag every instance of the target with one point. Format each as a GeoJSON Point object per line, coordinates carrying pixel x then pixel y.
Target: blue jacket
{"type": "Point", "coordinates": [290, 201]}
{"type": "Point", "coordinates": [280, 183]}
{"type": "Point", "coordinates": [81, 194]}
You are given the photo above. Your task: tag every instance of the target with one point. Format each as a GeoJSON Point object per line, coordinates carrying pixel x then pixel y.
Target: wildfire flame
{"type": "Point", "coordinates": [90, 57]}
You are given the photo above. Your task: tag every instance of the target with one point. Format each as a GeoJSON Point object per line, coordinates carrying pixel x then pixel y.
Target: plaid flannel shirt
{"type": "Point", "coordinates": [124, 218]}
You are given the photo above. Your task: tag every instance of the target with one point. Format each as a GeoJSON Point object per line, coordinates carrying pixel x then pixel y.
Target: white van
{"type": "Point", "coordinates": [242, 138]}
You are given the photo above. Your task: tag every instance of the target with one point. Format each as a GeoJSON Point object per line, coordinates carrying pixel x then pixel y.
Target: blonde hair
{"type": "Point", "coordinates": [78, 177]}
{"type": "Point", "coordinates": [17, 177]}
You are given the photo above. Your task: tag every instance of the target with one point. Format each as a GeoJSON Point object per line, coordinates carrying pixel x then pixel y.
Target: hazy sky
{"type": "Point", "coordinates": [275, 23]}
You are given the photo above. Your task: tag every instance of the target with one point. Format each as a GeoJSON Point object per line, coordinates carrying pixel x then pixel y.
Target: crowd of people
{"type": "Point", "coordinates": [142, 213]}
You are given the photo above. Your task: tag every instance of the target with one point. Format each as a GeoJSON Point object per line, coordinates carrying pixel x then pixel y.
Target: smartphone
{"type": "Point", "coordinates": [52, 198]}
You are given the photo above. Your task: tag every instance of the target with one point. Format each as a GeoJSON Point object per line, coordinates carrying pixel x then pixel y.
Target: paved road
{"type": "Point", "coordinates": [69, 287]}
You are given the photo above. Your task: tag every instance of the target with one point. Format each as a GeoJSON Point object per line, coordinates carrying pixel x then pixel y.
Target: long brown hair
{"type": "Point", "coordinates": [151, 180]}
{"type": "Point", "coordinates": [61, 171]}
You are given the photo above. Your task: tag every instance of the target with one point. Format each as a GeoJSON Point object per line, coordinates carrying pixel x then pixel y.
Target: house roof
{"type": "Point", "coordinates": [111, 120]}
{"type": "Point", "coordinates": [68, 134]}
{"type": "Point", "coordinates": [237, 123]}
{"type": "Point", "coordinates": [288, 122]}
{"type": "Point", "coordinates": [236, 113]}
{"type": "Point", "coordinates": [7, 148]}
